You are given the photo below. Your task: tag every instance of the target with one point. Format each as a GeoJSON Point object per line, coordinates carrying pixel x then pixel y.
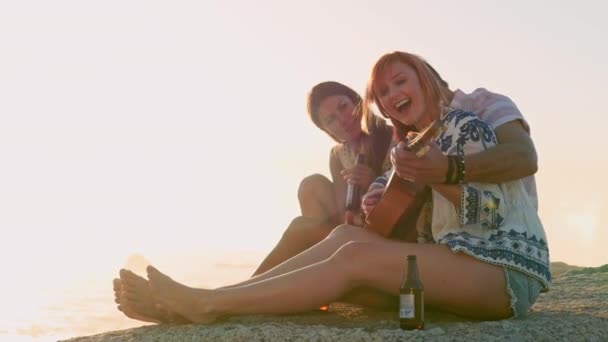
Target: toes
{"type": "Point", "coordinates": [117, 284]}
{"type": "Point", "coordinates": [154, 271]}
{"type": "Point", "coordinates": [153, 275]}
{"type": "Point", "coordinates": [128, 277]}
{"type": "Point", "coordinates": [156, 275]}
{"type": "Point", "coordinates": [131, 279]}
{"type": "Point", "coordinates": [151, 270]}
{"type": "Point", "coordinates": [137, 311]}
{"type": "Point", "coordinates": [129, 286]}
{"type": "Point", "coordinates": [117, 290]}
{"type": "Point", "coordinates": [132, 296]}
{"type": "Point", "coordinates": [123, 273]}
{"type": "Point", "coordinates": [141, 290]}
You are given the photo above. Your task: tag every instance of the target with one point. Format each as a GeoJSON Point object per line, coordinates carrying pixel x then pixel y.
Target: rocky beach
{"type": "Point", "coordinates": [574, 309]}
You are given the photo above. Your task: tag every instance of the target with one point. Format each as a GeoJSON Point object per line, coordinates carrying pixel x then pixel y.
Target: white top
{"type": "Point", "coordinates": [496, 223]}
{"type": "Point", "coordinates": [495, 110]}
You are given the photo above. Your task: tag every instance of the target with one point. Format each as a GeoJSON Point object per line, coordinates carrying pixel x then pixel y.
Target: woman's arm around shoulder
{"type": "Point", "coordinates": [513, 158]}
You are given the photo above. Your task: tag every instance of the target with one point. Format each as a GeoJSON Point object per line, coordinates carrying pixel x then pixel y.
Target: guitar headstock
{"type": "Point", "coordinates": [419, 143]}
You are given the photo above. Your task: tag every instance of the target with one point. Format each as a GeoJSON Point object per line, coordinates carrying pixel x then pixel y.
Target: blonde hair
{"type": "Point", "coordinates": [434, 91]}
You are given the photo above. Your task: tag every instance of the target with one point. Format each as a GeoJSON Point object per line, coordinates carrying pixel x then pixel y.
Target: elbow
{"type": "Point", "coordinates": [531, 160]}
{"type": "Point", "coordinates": [528, 161]}
{"type": "Point", "coordinates": [533, 168]}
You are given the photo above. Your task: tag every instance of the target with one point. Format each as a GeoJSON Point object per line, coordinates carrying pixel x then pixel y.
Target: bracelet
{"type": "Point", "coordinates": [450, 174]}
{"type": "Point", "coordinates": [456, 170]}
{"type": "Point", "coordinates": [460, 170]}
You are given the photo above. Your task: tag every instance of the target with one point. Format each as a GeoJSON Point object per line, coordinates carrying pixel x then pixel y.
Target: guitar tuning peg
{"type": "Point", "coordinates": [440, 131]}
{"type": "Point", "coordinates": [421, 152]}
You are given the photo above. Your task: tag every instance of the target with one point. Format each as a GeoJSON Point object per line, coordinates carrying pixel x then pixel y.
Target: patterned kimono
{"type": "Point", "coordinates": [496, 223]}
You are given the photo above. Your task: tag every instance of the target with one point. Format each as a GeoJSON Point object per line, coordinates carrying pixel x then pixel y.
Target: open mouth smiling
{"type": "Point", "coordinates": [402, 105]}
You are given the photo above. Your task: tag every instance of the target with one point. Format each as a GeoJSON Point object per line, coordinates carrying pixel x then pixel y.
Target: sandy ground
{"type": "Point", "coordinates": [575, 309]}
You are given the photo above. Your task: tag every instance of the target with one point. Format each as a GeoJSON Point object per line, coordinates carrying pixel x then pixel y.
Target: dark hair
{"type": "Point", "coordinates": [322, 91]}
{"type": "Point", "coordinates": [376, 133]}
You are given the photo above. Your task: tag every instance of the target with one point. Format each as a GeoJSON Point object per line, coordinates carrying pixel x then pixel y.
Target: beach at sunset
{"type": "Point", "coordinates": [573, 309]}
{"type": "Point", "coordinates": [82, 309]}
{"type": "Point", "coordinates": [176, 134]}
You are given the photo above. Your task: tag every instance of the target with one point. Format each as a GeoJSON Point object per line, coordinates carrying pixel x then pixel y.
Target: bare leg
{"type": "Point", "coordinates": [316, 197]}
{"type": "Point", "coordinates": [135, 301]}
{"type": "Point", "coordinates": [371, 298]}
{"type": "Point", "coordinates": [319, 252]}
{"type": "Point", "coordinates": [302, 233]}
{"type": "Point", "coordinates": [453, 282]}
{"type": "Point", "coordinates": [339, 236]}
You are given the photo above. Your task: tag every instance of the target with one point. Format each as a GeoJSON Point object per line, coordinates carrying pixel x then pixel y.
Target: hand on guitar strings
{"type": "Point", "coordinates": [428, 169]}
{"type": "Point", "coordinates": [371, 198]}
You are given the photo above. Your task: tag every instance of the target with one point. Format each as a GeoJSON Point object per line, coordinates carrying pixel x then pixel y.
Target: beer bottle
{"type": "Point", "coordinates": [354, 193]}
{"type": "Point", "coordinates": [411, 298]}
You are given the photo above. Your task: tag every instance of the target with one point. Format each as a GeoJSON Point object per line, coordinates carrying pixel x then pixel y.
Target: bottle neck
{"type": "Point", "coordinates": [360, 159]}
{"type": "Point", "coordinates": [412, 270]}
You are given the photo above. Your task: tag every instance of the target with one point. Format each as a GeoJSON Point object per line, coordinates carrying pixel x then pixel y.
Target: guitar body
{"type": "Point", "coordinates": [397, 212]}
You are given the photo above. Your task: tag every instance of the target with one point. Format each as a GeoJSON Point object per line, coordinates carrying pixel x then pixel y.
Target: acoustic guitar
{"type": "Point", "coordinates": [396, 213]}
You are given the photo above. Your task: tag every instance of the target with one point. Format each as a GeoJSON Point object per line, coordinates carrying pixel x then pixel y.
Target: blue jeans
{"type": "Point", "coordinates": [523, 291]}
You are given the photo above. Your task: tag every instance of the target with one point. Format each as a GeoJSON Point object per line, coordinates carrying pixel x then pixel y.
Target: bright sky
{"type": "Point", "coordinates": [168, 126]}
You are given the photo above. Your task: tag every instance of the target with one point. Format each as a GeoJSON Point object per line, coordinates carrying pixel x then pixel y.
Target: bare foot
{"type": "Point", "coordinates": [125, 308]}
{"type": "Point", "coordinates": [117, 290]}
{"type": "Point", "coordinates": [188, 302]}
{"type": "Point", "coordinates": [135, 300]}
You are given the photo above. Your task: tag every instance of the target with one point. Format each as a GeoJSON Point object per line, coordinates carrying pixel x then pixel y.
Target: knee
{"type": "Point", "coordinates": [353, 256]}
{"type": "Point", "coordinates": [347, 233]}
{"type": "Point", "coordinates": [312, 184]}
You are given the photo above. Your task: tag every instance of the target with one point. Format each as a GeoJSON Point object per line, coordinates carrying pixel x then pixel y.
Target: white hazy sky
{"type": "Point", "coordinates": [165, 126]}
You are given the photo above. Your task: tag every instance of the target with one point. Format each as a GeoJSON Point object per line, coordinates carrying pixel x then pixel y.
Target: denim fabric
{"type": "Point", "coordinates": [523, 291]}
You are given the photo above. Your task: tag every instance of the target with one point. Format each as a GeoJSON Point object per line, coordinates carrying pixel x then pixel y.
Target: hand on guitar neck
{"type": "Point", "coordinates": [428, 165]}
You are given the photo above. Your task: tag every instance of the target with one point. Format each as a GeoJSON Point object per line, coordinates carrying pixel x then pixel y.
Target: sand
{"type": "Point", "coordinates": [575, 309]}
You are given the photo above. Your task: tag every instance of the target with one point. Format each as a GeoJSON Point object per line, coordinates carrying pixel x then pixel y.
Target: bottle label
{"type": "Point", "coordinates": [406, 306]}
{"type": "Point", "coordinates": [349, 194]}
